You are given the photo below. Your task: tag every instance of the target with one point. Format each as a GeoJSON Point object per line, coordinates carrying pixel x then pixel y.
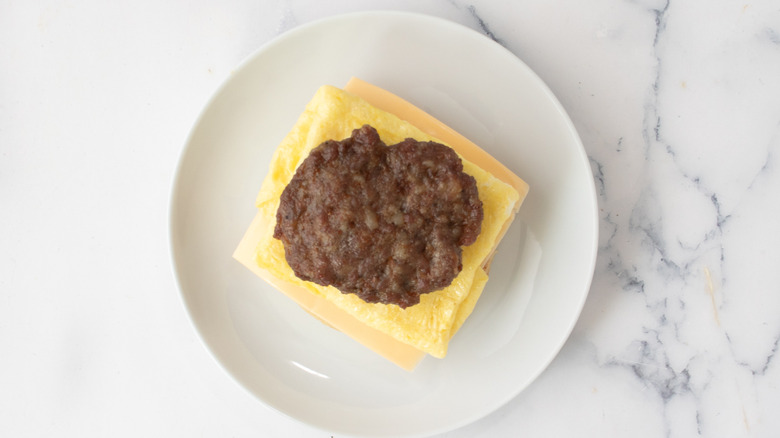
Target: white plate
{"type": "Point", "coordinates": [539, 280]}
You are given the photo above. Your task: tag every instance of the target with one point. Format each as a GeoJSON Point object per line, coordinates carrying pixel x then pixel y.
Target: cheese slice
{"type": "Point", "coordinates": [393, 104]}
{"type": "Point", "coordinates": [397, 334]}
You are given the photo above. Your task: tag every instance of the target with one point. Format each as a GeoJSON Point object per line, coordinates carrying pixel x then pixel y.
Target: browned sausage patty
{"type": "Point", "coordinates": [383, 222]}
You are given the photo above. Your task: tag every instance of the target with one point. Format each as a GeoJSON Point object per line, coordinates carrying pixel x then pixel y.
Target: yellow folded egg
{"type": "Point", "coordinates": [427, 327]}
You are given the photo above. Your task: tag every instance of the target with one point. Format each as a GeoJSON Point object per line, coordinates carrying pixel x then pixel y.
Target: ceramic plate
{"type": "Point", "coordinates": [539, 280]}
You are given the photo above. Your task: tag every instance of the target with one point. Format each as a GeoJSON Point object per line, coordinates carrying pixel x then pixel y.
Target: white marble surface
{"type": "Point", "coordinates": [677, 103]}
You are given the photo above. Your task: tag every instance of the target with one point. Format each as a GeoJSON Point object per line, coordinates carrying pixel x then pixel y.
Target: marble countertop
{"type": "Point", "coordinates": [677, 104]}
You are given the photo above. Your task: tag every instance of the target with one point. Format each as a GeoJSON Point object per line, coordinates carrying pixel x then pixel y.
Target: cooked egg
{"type": "Point", "coordinates": [429, 325]}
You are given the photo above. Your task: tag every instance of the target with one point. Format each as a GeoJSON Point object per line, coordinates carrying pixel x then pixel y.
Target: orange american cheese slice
{"type": "Point", "coordinates": [334, 311]}
{"type": "Point", "coordinates": [393, 104]}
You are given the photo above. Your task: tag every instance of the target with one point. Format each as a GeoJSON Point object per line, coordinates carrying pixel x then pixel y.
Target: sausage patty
{"type": "Point", "coordinates": [384, 222]}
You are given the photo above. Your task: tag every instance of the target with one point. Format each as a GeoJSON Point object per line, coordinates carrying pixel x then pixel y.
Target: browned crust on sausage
{"type": "Point", "coordinates": [383, 222]}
